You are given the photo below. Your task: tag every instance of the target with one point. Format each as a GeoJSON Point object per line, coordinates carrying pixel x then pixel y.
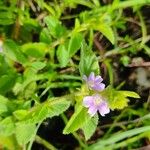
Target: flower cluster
{"type": "Point", "coordinates": [95, 102]}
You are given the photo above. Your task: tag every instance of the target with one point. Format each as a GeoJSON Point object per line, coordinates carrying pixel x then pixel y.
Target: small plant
{"type": "Point", "coordinates": [77, 61]}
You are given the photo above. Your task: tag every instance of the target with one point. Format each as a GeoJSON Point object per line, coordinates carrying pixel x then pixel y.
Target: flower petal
{"type": "Point", "coordinates": [91, 76]}
{"type": "Point", "coordinates": [92, 110]}
{"type": "Point", "coordinates": [98, 79]}
{"type": "Point", "coordinates": [99, 87]}
{"type": "Point", "coordinates": [88, 101]}
{"type": "Point", "coordinates": [103, 108]}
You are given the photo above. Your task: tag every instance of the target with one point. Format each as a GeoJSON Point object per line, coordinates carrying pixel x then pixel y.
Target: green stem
{"type": "Point", "coordinates": [74, 134]}
{"type": "Point", "coordinates": [131, 3]}
{"type": "Point", "coordinates": [69, 77]}
{"type": "Point", "coordinates": [123, 4]}
{"type": "Point", "coordinates": [110, 71]}
{"type": "Point", "coordinates": [49, 8]}
{"type": "Point", "coordinates": [138, 120]}
{"type": "Point", "coordinates": [143, 28]}
{"type": "Point", "coordinates": [32, 140]}
{"type": "Point", "coordinates": [113, 125]}
{"type": "Point", "coordinates": [42, 141]}
{"type": "Point", "coordinates": [123, 49]}
{"type": "Point", "coordinates": [17, 26]}
{"type": "Point", "coordinates": [85, 3]}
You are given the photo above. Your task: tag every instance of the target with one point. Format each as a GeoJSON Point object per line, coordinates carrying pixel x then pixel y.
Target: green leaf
{"type": "Point", "coordinates": [9, 143]}
{"type": "Point", "coordinates": [7, 17]}
{"type": "Point", "coordinates": [75, 43]}
{"type": "Point", "coordinates": [3, 66]}
{"type": "Point", "coordinates": [26, 88]}
{"type": "Point", "coordinates": [3, 104]}
{"type": "Point", "coordinates": [54, 26]}
{"type": "Point", "coordinates": [7, 81]}
{"type": "Point", "coordinates": [36, 50]}
{"type": "Point", "coordinates": [77, 23]}
{"type": "Point", "coordinates": [118, 99]}
{"type": "Point", "coordinates": [118, 102]}
{"type": "Point", "coordinates": [129, 94]}
{"type": "Point", "coordinates": [56, 106]}
{"type": "Point", "coordinates": [39, 114]}
{"type": "Point", "coordinates": [52, 23]}
{"type": "Point", "coordinates": [17, 88]}
{"type": "Point", "coordinates": [24, 132]}
{"type": "Point", "coordinates": [62, 55]}
{"type": "Point", "coordinates": [77, 120]}
{"type": "Point", "coordinates": [12, 51]}
{"type": "Point", "coordinates": [90, 126]}
{"type": "Point", "coordinates": [7, 127]}
{"type": "Point", "coordinates": [115, 99]}
{"type": "Point", "coordinates": [107, 31]}
{"type": "Point", "coordinates": [29, 90]}
{"type": "Point", "coordinates": [52, 107]}
{"type": "Point", "coordinates": [37, 65]}
{"type": "Point", "coordinates": [20, 114]}
{"type": "Point", "coordinates": [45, 36]}
{"type": "Point", "coordinates": [88, 61]}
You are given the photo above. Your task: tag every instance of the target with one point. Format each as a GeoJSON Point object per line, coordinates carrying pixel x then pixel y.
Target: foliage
{"type": "Point", "coordinates": [46, 47]}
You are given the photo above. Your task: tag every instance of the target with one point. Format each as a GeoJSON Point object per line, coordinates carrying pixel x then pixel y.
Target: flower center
{"type": "Point", "coordinates": [97, 101]}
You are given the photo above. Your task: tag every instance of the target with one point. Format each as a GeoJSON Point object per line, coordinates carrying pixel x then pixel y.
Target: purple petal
{"type": "Point", "coordinates": [103, 108]}
{"type": "Point", "coordinates": [91, 76]}
{"type": "Point", "coordinates": [88, 101]}
{"type": "Point", "coordinates": [99, 87]}
{"type": "Point", "coordinates": [98, 79]}
{"type": "Point", "coordinates": [92, 110]}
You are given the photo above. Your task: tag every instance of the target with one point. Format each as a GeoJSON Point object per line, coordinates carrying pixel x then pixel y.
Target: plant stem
{"type": "Point", "coordinates": [143, 28]}
{"type": "Point", "coordinates": [123, 4]}
{"type": "Point", "coordinates": [123, 49]}
{"type": "Point", "coordinates": [16, 28]}
{"type": "Point", "coordinates": [32, 140]}
{"type": "Point", "coordinates": [113, 125]}
{"type": "Point", "coordinates": [126, 122]}
{"type": "Point", "coordinates": [42, 141]}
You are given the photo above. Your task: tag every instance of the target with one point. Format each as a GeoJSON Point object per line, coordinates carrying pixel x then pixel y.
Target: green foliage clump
{"type": "Point", "coordinates": [46, 47]}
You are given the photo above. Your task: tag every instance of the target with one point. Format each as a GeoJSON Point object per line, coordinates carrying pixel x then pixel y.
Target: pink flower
{"type": "Point", "coordinates": [96, 103]}
{"type": "Point", "coordinates": [94, 82]}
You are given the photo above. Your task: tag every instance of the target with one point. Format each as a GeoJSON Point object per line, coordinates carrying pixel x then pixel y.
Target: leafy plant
{"type": "Point", "coordinates": [53, 55]}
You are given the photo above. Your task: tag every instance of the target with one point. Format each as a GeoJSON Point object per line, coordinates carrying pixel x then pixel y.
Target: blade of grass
{"type": "Point", "coordinates": [118, 137]}
{"type": "Point", "coordinates": [128, 141]}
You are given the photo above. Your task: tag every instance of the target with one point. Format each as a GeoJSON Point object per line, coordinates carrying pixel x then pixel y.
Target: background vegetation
{"type": "Point", "coordinates": [46, 46]}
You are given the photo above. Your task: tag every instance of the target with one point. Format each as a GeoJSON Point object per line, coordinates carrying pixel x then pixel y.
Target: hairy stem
{"type": "Point", "coordinates": [43, 142]}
